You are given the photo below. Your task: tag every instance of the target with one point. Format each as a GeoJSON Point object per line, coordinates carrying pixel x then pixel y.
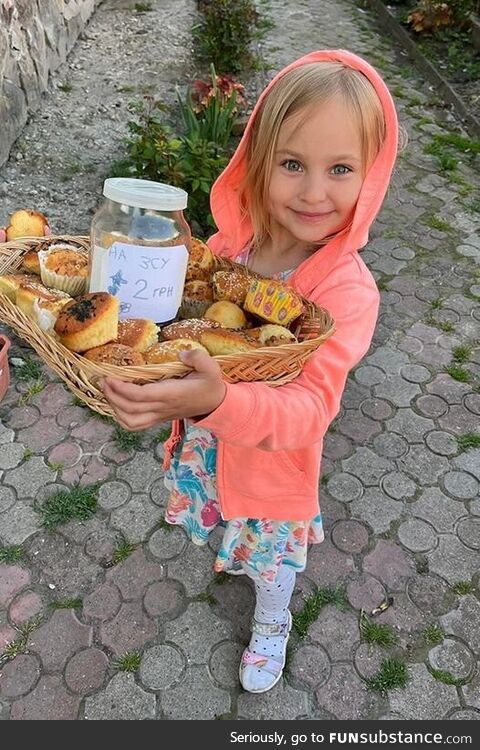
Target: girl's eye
{"type": "Point", "coordinates": [292, 165]}
{"type": "Point", "coordinates": [340, 169]}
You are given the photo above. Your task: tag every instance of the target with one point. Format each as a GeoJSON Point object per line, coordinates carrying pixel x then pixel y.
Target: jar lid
{"type": "Point", "coordinates": [145, 194]}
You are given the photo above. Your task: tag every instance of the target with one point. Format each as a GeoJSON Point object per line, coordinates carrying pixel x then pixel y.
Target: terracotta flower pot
{"type": "Point", "coordinates": [4, 367]}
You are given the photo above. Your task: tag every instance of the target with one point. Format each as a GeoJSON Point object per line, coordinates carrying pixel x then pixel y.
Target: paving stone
{"type": "Point", "coordinates": [111, 453]}
{"type": "Point", "coordinates": [376, 408]}
{"type": "Point", "coordinates": [452, 560]}
{"type": "Point", "coordinates": [19, 676]}
{"type": "Point", "coordinates": [29, 477]}
{"type": "Point", "coordinates": [66, 453]}
{"type": "Point", "coordinates": [327, 566]}
{"type": "Point", "coordinates": [234, 601]}
{"type": "Point", "coordinates": [140, 472]}
{"type": "Point", "coordinates": [423, 465]}
{"type": "Point", "coordinates": [360, 429]}
{"type": "Point", "coordinates": [365, 592]}
{"type": "Point", "coordinates": [18, 523]}
{"type": "Point", "coordinates": [345, 695]}
{"type": "Point", "coordinates": [450, 390]}
{"type": "Point", "coordinates": [113, 494]}
{"type": "Point", "coordinates": [417, 535]}
{"type": "Point", "coordinates": [461, 485]}
{"type": "Point", "coordinates": [164, 599]}
{"type": "Point", "coordinates": [390, 445]}
{"type": "Point", "coordinates": [22, 416]}
{"type": "Point", "coordinates": [366, 466]}
{"type": "Point", "coordinates": [198, 630]}
{"type": "Point", "coordinates": [159, 493]}
{"type": "Point", "coordinates": [63, 565]}
{"type": "Point", "coordinates": [162, 667]}
{"type": "Point", "coordinates": [453, 657]}
{"type": "Point", "coordinates": [404, 617]}
{"type": "Point", "coordinates": [94, 433]}
{"type": "Point", "coordinates": [48, 701]}
{"type": "Point", "coordinates": [430, 594]}
{"type": "Point", "coordinates": [475, 507]}
{"type": "Point", "coordinates": [390, 564]}
{"type": "Point", "coordinates": [369, 375]}
{"type": "Point", "coordinates": [336, 446]}
{"type": "Point", "coordinates": [88, 470]}
{"type": "Point", "coordinates": [472, 403]}
{"type": "Point", "coordinates": [194, 569]}
{"type": "Point", "coordinates": [102, 603]}
{"type": "Point", "coordinates": [195, 698]}
{"type": "Point", "coordinates": [25, 607]}
{"type": "Point", "coordinates": [470, 462]}
{"type": "Point", "coordinates": [7, 435]}
{"type": "Point", "coordinates": [309, 667]}
{"type": "Point", "coordinates": [344, 487]}
{"type": "Point", "coordinates": [431, 406]}
{"type": "Point", "coordinates": [168, 543]}
{"type": "Point", "coordinates": [281, 702]}
{"type": "Point", "coordinates": [389, 360]}
{"type": "Point", "coordinates": [442, 443]}
{"type": "Point", "coordinates": [471, 693]}
{"type": "Point", "coordinates": [376, 509]}
{"type": "Point", "coordinates": [101, 544]}
{"type": "Point", "coordinates": [13, 579]}
{"type": "Point", "coordinates": [463, 622]}
{"type": "Point", "coordinates": [398, 485]}
{"type": "Point", "coordinates": [86, 671]}
{"type": "Point", "coordinates": [403, 253]}
{"type": "Point", "coordinates": [59, 638]}
{"type": "Point", "coordinates": [72, 416]}
{"type": "Point", "coordinates": [354, 394]}
{"type": "Point", "coordinates": [136, 518]}
{"type": "Point", "coordinates": [78, 531]}
{"type": "Point", "coordinates": [122, 700]}
{"type": "Point", "coordinates": [7, 498]}
{"type": "Point", "coordinates": [434, 356]}
{"type": "Point", "coordinates": [336, 631]}
{"type": "Point", "coordinates": [424, 697]}
{"type": "Point", "coordinates": [468, 531]}
{"type": "Point", "coordinates": [224, 662]}
{"type": "Point", "coordinates": [415, 373]}
{"type": "Point", "coordinates": [458, 420]}
{"type": "Point", "coordinates": [129, 630]}
{"type": "Point", "coordinates": [438, 509]}
{"type": "Point", "coordinates": [368, 659]}
{"type": "Point", "coordinates": [350, 536]}
{"type": "Point", "coordinates": [410, 425]}
{"type": "Point", "coordinates": [410, 345]}
{"type": "Point", "coordinates": [11, 455]}
{"type": "Point", "coordinates": [52, 399]}
{"type": "Point", "coordinates": [133, 575]}
{"type": "Point", "coordinates": [42, 435]}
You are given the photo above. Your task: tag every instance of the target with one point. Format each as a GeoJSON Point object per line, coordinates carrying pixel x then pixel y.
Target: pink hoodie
{"type": "Point", "coordinates": [270, 439]}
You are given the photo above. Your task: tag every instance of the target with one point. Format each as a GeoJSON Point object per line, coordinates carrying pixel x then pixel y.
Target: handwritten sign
{"type": "Point", "coordinates": [147, 280]}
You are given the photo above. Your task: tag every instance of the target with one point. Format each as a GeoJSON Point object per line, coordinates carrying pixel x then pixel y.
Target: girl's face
{"type": "Point", "coordinates": [317, 174]}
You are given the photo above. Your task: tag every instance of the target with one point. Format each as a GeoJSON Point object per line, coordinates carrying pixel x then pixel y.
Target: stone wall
{"type": "Point", "coordinates": [35, 38]}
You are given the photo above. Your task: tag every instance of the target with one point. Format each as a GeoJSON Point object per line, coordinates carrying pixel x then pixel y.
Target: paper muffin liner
{"type": "Point", "coordinates": [193, 308]}
{"type": "Point", "coordinates": [72, 285]}
{"type": "Point", "coordinates": [270, 301]}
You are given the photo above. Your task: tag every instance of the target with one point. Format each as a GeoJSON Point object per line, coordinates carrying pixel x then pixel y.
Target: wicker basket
{"type": "Point", "coordinates": [273, 365]}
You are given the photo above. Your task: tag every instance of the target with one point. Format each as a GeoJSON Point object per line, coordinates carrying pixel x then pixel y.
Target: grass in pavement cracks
{"type": "Point", "coordinates": [313, 605]}
{"type": "Point", "coordinates": [78, 502]}
{"type": "Point", "coordinates": [123, 550]}
{"type": "Point", "coordinates": [128, 662]}
{"type": "Point", "coordinates": [433, 635]}
{"type": "Point", "coordinates": [11, 554]}
{"type": "Point", "coordinates": [469, 440]}
{"type": "Point", "coordinates": [392, 675]}
{"type": "Point", "coordinates": [67, 604]}
{"type": "Point", "coordinates": [371, 632]}
{"type": "Point", "coordinates": [462, 588]}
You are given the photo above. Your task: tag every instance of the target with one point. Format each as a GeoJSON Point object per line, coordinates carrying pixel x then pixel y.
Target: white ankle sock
{"type": "Point", "coordinates": [271, 607]}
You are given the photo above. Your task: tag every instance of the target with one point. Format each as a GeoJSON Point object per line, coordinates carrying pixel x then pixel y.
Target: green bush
{"type": "Point", "coordinates": [225, 33]}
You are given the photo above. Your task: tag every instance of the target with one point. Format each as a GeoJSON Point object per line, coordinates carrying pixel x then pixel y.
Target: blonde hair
{"type": "Point", "coordinates": [298, 90]}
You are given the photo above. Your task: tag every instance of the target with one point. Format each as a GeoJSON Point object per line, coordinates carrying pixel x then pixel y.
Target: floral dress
{"type": "Point", "coordinates": [259, 545]}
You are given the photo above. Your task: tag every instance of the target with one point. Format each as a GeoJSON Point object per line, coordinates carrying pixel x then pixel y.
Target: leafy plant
{"type": "Point", "coordinates": [30, 369]}
{"type": "Point", "coordinates": [225, 32]}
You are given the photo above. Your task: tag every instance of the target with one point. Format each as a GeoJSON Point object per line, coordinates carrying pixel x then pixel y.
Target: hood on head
{"type": "Point", "coordinates": [235, 229]}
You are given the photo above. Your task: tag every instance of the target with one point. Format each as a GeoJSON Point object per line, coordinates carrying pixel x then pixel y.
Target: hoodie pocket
{"type": "Point", "coordinates": [263, 474]}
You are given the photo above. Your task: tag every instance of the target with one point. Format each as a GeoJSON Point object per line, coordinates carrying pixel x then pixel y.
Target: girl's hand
{"type": "Point", "coordinates": [138, 407]}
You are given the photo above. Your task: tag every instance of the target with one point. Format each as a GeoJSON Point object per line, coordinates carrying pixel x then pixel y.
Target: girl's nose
{"type": "Point", "coordinates": [313, 189]}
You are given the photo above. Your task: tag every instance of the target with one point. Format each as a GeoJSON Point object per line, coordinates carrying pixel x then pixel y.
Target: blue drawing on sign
{"type": "Point", "coordinates": [117, 280]}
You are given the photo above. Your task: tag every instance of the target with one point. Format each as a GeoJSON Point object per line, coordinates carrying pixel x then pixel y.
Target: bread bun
{"type": "Point", "coordinates": [167, 351]}
{"type": "Point", "coordinates": [115, 354]}
{"type": "Point", "coordinates": [31, 291]}
{"type": "Point", "coordinates": [231, 286]}
{"type": "Point", "coordinates": [221, 341]}
{"type": "Point", "coordinates": [188, 329]}
{"type": "Point", "coordinates": [89, 321]}
{"type": "Point", "coordinates": [200, 261]}
{"type": "Point", "coordinates": [138, 333]}
{"type": "Point", "coordinates": [273, 335]}
{"type": "Point", "coordinates": [227, 314]}
{"type": "Point", "coordinates": [10, 283]}
{"type": "Point", "coordinates": [30, 262]}
{"type": "Point", "coordinates": [26, 223]}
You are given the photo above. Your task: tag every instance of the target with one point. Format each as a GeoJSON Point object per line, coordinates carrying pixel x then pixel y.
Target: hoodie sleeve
{"type": "Point", "coordinates": [294, 415]}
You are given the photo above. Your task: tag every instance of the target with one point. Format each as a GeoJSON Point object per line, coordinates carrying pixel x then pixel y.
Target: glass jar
{"type": "Point", "coordinates": [140, 242]}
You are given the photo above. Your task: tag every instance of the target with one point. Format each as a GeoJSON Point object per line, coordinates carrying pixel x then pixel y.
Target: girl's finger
{"type": "Point", "coordinates": [122, 403]}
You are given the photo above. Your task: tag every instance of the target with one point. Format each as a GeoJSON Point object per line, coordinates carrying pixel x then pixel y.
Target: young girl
{"type": "Point", "coordinates": [295, 203]}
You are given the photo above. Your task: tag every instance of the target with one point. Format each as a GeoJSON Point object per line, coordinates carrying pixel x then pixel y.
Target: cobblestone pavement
{"type": "Point", "coordinates": [399, 494]}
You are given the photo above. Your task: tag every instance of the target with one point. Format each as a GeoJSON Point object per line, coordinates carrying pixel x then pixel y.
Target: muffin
{"type": "Point", "coordinates": [231, 286]}
{"type": "Point", "coordinates": [273, 335]}
{"type": "Point", "coordinates": [197, 297]}
{"type": "Point", "coordinates": [273, 301]}
{"type": "Point", "coordinates": [10, 283]}
{"type": "Point", "coordinates": [138, 333]}
{"type": "Point", "coordinates": [89, 321]}
{"type": "Point", "coordinates": [188, 329]}
{"type": "Point", "coordinates": [64, 267]}
{"type": "Point", "coordinates": [167, 351]}
{"type": "Point", "coordinates": [201, 262]}
{"type": "Point", "coordinates": [227, 314]}
{"type": "Point", "coordinates": [222, 341]}
{"type": "Point", "coordinates": [30, 262]}
{"type": "Point", "coordinates": [30, 292]}
{"type": "Point", "coordinates": [115, 354]}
